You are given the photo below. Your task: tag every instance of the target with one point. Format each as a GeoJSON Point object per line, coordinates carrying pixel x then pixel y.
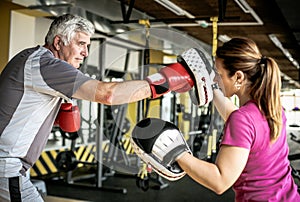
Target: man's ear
{"type": "Point", "coordinates": [57, 42]}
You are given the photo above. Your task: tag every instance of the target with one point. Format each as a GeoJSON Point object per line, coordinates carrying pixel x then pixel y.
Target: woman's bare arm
{"type": "Point", "coordinates": [223, 104]}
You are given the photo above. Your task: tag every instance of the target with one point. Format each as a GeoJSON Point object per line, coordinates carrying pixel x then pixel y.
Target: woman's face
{"type": "Point", "coordinates": [226, 83]}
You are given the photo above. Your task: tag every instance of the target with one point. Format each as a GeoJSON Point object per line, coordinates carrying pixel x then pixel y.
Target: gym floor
{"type": "Point", "coordinates": [112, 190]}
{"type": "Point", "coordinates": [123, 187]}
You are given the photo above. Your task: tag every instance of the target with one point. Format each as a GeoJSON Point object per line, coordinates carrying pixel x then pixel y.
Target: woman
{"type": "Point", "coordinates": [253, 152]}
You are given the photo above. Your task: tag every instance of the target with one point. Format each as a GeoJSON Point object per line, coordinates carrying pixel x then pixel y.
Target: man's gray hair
{"type": "Point", "coordinates": [66, 26]}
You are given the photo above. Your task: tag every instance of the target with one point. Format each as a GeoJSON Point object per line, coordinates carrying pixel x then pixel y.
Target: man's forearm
{"type": "Point", "coordinates": [113, 93]}
{"type": "Point", "coordinates": [130, 91]}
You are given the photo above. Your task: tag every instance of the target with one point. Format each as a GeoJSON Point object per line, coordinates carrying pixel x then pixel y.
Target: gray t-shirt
{"type": "Point", "coordinates": [32, 87]}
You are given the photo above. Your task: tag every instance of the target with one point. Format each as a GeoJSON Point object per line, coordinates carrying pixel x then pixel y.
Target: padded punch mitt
{"type": "Point", "coordinates": [200, 69]}
{"type": "Point", "coordinates": [160, 143]}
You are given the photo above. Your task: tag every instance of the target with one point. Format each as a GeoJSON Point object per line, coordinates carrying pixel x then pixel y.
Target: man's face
{"type": "Point", "coordinates": [76, 51]}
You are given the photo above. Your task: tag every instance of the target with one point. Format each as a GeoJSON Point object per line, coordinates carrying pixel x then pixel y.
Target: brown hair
{"type": "Point", "coordinates": [263, 74]}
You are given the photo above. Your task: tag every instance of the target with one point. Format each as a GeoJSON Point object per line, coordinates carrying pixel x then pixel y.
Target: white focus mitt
{"type": "Point", "coordinates": [200, 70]}
{"type": "Point", "coordinates": [160, 143]}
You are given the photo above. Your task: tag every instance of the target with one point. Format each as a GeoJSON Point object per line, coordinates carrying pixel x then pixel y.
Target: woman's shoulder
{"type": "Point", "coordinates": [248, 111]}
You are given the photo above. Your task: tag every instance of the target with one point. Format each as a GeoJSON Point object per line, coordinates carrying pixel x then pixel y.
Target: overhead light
{"type": "Point", "coordinates": [171, 6]}
{"type": "Point", "coordinates": [287, 54]}
{"type": "Point", "coordinates": [223, 38]}
{"type": "Point", "coordinates": [276, 41]}
{"type": "Point", "coordinates": [243, 5]}
{"type": "Point", "coordinates": [120, 30]}
{"type": "Point", "coordinates": [102, 27]}
{"type": "Point", "coordinates": [181, 12]}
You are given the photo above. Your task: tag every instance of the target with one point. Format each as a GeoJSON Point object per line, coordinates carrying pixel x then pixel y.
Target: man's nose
{"type": "Point", "coordinates": [85, 51]}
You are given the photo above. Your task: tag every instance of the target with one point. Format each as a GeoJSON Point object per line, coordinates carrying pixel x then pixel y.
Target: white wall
{"type": "Point", "coordinates": [41, 28]}
{"type": "Point", "coordinates": [26, 31]}
{"type": "Point", "coordinates": [22, 32]}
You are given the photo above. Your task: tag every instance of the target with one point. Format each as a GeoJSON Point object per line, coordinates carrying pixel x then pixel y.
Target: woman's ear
{"type": "Point", "coordinates": [240, 76]}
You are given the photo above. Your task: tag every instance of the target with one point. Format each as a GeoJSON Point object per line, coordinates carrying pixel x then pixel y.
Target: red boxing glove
{"type": "Point", "coordinates": [69, 117]}
{"type": "Point", "coordinates": [174, 77]}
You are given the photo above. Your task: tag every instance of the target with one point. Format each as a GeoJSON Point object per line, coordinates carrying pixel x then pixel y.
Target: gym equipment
{"type": "Point", "coordinates": [69, 135]}
{"type": "Point", "coordinates": [117, 157]}
{"type": "Point", "coordinates": [143, 110]}
{"type": "Point", "coordinates": [145, 177]}
{"type": "Point", "coordinates": [142, 180]}
{"type": "Point", "coordinates": [66, 161]}
{"type": "Point", "coordinates": [294, 157]}
{"type": "Point", "coordinates": [203, 123]}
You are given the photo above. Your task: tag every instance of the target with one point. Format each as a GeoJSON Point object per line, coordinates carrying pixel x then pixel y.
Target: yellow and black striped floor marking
{"type": "Point", "coordinates": [46, 163]}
